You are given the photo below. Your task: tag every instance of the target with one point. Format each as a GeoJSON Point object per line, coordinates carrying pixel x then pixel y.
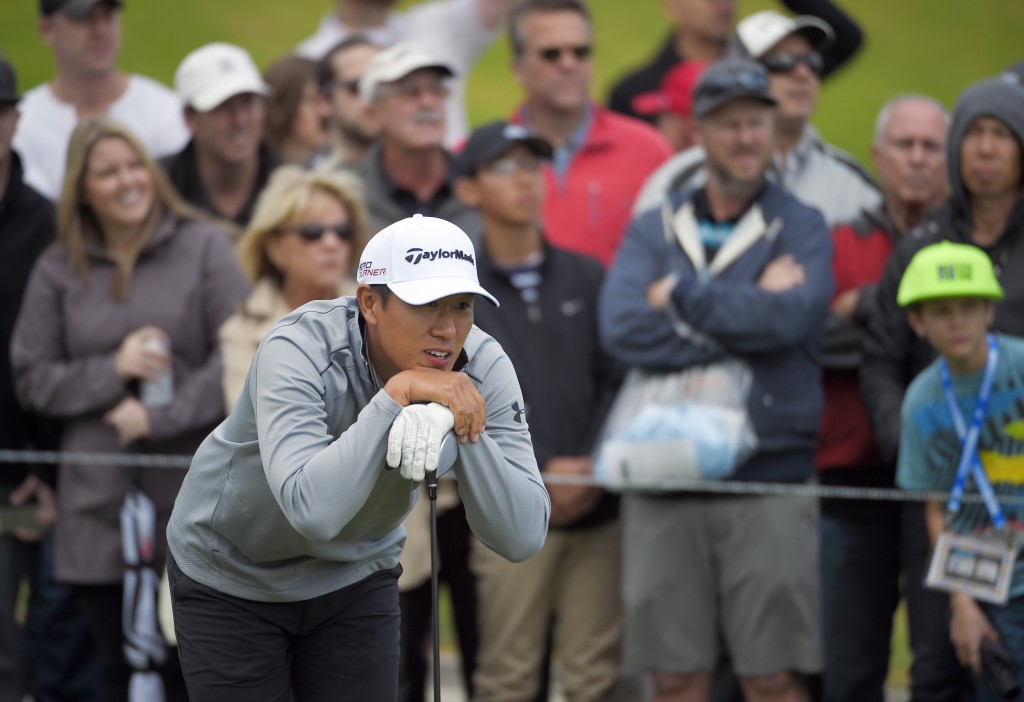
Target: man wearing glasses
{"type": "Point", "coordinates": [349, 132]}
{"type": "Point", "coordinates": [736, 268]}
{"type": "Point", "coordinates": [548, 301]}
{"type": "Point", "coordinates": [817, 173]}
{"type": "Point", "coordinates": [408, 170]}
{"type": "Point", "coordinates": [600, 158]}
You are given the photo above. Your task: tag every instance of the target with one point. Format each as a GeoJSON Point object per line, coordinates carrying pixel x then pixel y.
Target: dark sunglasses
{"type": "Point", "coordinates": [553, 54]}
{"type": "Point", "coordinates": [313, 232]}
{"type": "Point", "coordinates": [785, 62]}
{"type": "Point", "coordinates": [749, 81]}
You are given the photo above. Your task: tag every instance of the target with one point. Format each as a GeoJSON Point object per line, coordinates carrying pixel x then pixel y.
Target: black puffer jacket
{"type": "Point", "coordinates": [893, 355]}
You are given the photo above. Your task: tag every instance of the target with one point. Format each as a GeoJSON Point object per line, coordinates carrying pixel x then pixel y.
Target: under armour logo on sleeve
{"type": "Point", "coordinates": [518, 413]}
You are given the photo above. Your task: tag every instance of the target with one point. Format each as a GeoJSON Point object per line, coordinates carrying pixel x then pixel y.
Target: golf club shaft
{"type": "Point", "coordinates": [434, 617]}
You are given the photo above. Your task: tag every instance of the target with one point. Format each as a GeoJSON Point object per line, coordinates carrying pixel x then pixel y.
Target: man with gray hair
{"type": "Point", "coordinates": [817, 173]}
{"type": "Point", "coordinates": [861, 548]}
{"type": "Point", "coordinates": [408, 171]}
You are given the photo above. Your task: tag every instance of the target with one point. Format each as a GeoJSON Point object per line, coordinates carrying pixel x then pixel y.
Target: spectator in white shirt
{"type": "Point", "coordinates": [456, 31]}
{"type": "Point", "coordinates": [85, 36]}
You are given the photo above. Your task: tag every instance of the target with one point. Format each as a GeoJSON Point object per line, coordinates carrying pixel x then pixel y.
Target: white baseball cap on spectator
{"type": "Point", "coordinates": [763, 30]}
{"type": "Point", "coordinates": [421, 259]}
{"type": "Point", "coordinates": [215, 73]}
{"type": "Point", "coordinates": [395, 63]}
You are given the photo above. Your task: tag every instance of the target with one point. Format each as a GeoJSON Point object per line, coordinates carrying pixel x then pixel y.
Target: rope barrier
{"type": "Point", "coordinates": [724, 487]}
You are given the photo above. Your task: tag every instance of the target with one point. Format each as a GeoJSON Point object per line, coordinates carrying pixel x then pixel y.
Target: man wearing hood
{"type": "Point", "coordinates": [985, 208]}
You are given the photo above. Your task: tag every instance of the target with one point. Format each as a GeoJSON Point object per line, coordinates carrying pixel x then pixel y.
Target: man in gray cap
{"type": "Point", "coordinates": [742, 271]}
{"type": "Point", "coordinates": [85, 36]}
{"type": "Point", "coordinates": [820, 175]}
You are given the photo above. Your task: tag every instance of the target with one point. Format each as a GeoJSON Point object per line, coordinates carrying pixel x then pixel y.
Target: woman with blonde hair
{"type": "Point", "coordinates": [303, 241]}
{"type": "Point", "coordinates": [117, 336]}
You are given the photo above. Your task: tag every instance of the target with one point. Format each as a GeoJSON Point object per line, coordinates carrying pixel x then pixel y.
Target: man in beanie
{"type": "Point", "coordinates": [985, 209]}
{"type": "Point", "coordinates": [286, 535]}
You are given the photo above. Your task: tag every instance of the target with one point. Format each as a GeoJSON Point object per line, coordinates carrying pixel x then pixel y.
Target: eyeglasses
{"type": "Point", "coordinates": [313, 232]}
{"type": "Point", "coordinates": [511, 165]}
{"type": "Point", "coordinates": [553, 54]}
{"type": "Point", "coordinates": [749, 81]}
{"type": "Point", "coordinates": [785, 62]}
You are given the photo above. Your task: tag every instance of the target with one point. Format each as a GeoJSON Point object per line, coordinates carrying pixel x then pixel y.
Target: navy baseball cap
{"type": "Point", "coordinates": [727, 80]}
{"type": "Point", "coordinates": [8, 82]}
{"type": "Point", "coordinates": [75, 9]}
{"type": "Point", "coordinates": [493, 139]}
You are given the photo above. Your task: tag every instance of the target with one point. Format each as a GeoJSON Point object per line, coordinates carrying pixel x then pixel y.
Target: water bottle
{"type": "Point", "coordinates": [159, 392]}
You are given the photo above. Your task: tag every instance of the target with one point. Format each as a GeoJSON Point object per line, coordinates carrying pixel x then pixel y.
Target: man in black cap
{"type": "Point", "coordinates": [85, 36]}
{"type": "Point", "coordinates": [548, 301]}
{"type": "Point", "coordinates": [735, 269]}
{"type": "Point", "coordinates": [60, 658]}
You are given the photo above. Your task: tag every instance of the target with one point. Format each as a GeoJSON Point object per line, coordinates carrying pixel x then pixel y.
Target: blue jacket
{"type": "Point", "coordinates": [778, 334]}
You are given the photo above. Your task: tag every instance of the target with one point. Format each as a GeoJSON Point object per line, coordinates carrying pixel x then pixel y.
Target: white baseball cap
{"type": "Point", "coordinates": [421, 259]}
{"type": "Point", "coordinates": [395, 63]}
{"type": "Point", "coordinates": [763, 30]}
{"type": "Point", "coordinates": [214, 73]}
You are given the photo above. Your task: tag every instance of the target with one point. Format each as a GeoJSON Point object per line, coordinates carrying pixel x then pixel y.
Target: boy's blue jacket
{"type": "Point", "coordinates": [778, 334]}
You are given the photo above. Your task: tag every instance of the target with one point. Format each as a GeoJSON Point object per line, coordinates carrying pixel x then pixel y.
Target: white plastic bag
{"type": "Point", "coordinates": [685, 425]}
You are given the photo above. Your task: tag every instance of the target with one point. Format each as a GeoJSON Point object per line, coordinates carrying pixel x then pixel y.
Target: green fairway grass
{"type": "Point", "coordinates": [931, 46]}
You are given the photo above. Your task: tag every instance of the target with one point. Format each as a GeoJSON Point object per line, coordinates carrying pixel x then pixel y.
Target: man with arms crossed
{"type": "Point", "coordinates": [286, 535]}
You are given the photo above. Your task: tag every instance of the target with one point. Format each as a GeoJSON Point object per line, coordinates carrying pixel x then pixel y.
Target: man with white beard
{"type": "Point", "coordinates": [408, 171]}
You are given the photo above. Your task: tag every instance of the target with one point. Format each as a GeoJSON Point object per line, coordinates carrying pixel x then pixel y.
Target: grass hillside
{"type": "Point", "coordinates": [931, 46]}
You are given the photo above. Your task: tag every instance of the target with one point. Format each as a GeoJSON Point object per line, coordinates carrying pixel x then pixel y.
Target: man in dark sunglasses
{"type": "Point", "coordinates": [791, 50]}
{"type": "Point", "coordinates": [350, 131]}
{"type": "Point", "coordinates": [600, 158]}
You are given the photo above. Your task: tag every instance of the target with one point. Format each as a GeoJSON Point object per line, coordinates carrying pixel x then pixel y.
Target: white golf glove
{"type": "Point", "coordinates": [414, 443]}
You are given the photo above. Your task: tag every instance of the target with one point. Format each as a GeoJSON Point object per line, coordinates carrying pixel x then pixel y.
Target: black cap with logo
{"type": "Point", "coordinates": [490, 141]}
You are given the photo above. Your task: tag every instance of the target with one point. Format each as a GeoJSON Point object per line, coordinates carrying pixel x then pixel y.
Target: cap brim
{"type": "Point", "coordinates": [221, 92]}
{"type": "Point", "coordinates": [704, 108]}
{"type": "Point", "coordinates": [426, 290]}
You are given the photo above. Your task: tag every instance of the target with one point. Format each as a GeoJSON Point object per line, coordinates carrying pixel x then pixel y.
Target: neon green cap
{"type": "Point", "coordinates": [947, 269]}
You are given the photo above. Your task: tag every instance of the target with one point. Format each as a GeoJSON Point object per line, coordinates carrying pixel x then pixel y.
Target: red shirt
{"type": "Point", "coordinates": [845, 439]}
{"type": "Point", "coordinates": [588, 211]}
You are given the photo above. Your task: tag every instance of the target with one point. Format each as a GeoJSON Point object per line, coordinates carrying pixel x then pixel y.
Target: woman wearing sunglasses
{"type": "Point", "coordinates": [307, 230]}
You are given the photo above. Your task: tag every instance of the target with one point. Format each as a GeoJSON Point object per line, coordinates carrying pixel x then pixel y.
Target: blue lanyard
{"type": "Point", "coordinates": [969, 462]}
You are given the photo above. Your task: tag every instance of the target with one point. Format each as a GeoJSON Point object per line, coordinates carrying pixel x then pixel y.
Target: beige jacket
{"type": "Point", "coordinates": [242, 333]}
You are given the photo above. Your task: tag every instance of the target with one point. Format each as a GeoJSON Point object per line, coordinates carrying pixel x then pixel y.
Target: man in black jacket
{"type": "Point", "coordinates": [985, 208]}
{"type": "Point", "coordinates": [547, 324]}
{"type": "Point", "coordinates": [61, 656]}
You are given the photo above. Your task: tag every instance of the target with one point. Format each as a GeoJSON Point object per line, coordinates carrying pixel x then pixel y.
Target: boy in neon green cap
{"type": "Point", "coordinates": [963, 432]}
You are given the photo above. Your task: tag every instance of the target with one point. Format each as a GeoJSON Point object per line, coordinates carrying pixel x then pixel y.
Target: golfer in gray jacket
{"type": "Point", "coordinates": [285, 537]}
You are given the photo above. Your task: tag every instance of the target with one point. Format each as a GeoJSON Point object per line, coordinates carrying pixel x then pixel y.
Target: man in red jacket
{"type": "Point", "coordinates": [861, 540]}
{"type": "Point", "coordinates": [601, 159]}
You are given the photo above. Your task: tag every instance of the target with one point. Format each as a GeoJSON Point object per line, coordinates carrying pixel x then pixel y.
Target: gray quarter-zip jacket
{"type": "Point", "coordinates": [289, 498]}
